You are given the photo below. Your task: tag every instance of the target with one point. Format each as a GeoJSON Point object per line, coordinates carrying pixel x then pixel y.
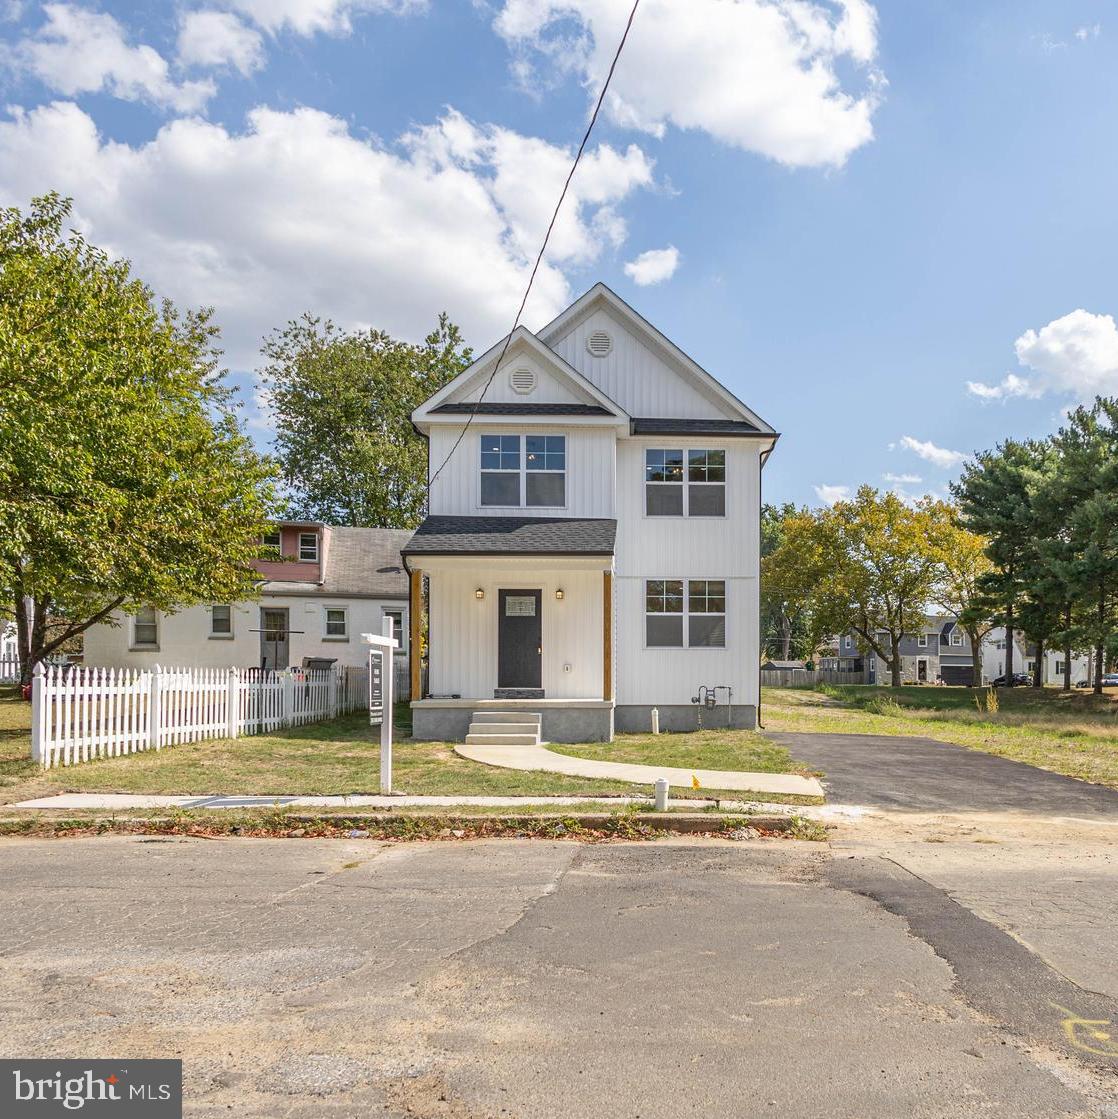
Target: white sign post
{"type": "Point", "coordinates": [383, 648]}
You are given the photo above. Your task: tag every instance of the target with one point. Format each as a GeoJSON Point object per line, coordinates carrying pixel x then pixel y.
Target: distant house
{"type": "Point", "coordinates": [1024, 659]}
{"type": "Point", "coordinates": [783, 666]}
{"type": "Point", "coordinates": [326, 586]}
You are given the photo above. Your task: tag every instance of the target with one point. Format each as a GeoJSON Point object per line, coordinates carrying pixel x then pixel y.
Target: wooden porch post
{"type": "Point", "coordinates": [607, 635]}
{"type": "Point", "coordinates": [415, 612]}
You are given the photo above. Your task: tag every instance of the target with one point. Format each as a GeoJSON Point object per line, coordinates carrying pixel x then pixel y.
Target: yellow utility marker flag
{"type": "Point", "coordinates": [695, 782]}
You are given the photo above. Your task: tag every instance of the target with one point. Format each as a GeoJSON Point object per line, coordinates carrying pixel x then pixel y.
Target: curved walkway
{"type": "Point", "coordinates": [540, 758]}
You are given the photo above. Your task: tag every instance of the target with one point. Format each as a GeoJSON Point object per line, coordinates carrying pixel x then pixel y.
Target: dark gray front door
{"type": "Point", "coordinates": [274, 638]}
{"type": "Point", "coordinates": [519, 639]}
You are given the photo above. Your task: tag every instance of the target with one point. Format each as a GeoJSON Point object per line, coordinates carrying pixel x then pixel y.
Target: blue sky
{"type": "Point", "coordinates": [889, 228]}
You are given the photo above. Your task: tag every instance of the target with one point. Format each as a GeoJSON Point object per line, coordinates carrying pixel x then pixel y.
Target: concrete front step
{"type": "Point", "coordinates": [532, 739]}
{"type": "Point", "coordinates": [505, 717]}
{"type": "Point", "coordinates": [505, 728]}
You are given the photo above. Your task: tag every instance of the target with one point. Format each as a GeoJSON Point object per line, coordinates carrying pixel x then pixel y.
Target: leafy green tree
{"type": "Point", "coordinates": [342, 404]}
{"type": "Point", "coordinates": [863, 566]}
{"type": "Point", "coordinates": [124, 477]}
{"type": "Point", "coordinates": [785, 630]}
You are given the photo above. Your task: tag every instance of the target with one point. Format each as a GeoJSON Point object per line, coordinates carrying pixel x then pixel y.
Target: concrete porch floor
{"type": "Point", "coordinates": [542, 759]}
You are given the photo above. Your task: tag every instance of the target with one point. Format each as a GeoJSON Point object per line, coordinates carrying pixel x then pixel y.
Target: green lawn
{"type": "Point", "coordinates": [1075, 734]}
{"type": "Point", "coordinates": [343, 757]}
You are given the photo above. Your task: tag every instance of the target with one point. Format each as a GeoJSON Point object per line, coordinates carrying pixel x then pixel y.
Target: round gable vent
{"type": "Point", "coordinates": [522, 381]}
{"type": "Point", "coordinates": [599, 343]}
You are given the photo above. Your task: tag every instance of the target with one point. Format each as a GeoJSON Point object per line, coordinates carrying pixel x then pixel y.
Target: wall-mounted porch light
{"type": "Point", "coordinates": [479, 593]}
{"type": "Point", "coordinates": [559, 594]}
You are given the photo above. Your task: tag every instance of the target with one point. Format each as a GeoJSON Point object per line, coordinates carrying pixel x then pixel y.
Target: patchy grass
{"type": "Point", "coordinates": [1076, 734]}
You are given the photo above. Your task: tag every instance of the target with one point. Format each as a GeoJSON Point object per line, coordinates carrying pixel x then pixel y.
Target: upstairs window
{"type": "Point", "coordinates": [308, 547]}
{"type": "Point", "coordinates": [524, 470]}
{"type": "Point", "coordinates": [956, 637]}
{"type": "Point", "coordinates": [681, 483]}
{"type": "Point", "coordinates": [922, 640]}
{"type": "Point", "coordinates": [145, 628]}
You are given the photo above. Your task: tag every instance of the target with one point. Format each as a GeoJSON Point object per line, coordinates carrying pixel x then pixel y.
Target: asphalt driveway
{"type": "Point", "coordinates": [922, 775]}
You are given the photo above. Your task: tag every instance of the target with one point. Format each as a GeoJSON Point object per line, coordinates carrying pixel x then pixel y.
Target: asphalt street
{"type": "Point", "coordinates": [536, 979]}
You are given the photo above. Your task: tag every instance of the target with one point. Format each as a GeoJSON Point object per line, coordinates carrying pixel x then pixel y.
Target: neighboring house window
{"type": "Point", "coordinates": [696, 620]}
{"type": "Point", "coordinates": [956, 637]}
{"type": "Point", "coordinates": [706, 483]}
{"type": "Point", "coordinates": [848, 642]}
{"type": "Point", "coordinates": [271, 540]}
{"type": "Point", "coordinates": [1031, 666]}
{"type": "Point", "coordinates": [221, 621]}
{"type": "Point", "coordinates": [706, 612]}
{"type": "Point", "coordinates": [145, 628]}
{"type": "Point", "coordinates": [308, 546]}
{"type": "Point", "coordinates": [664, 483]}
{"type": "Point", "coordinates": [545, 458]}
{"type": "Point", "coordinates": [337, 621]}
{"type": "Point", "coordinates": [663, 604]}
{"type": "Point", "coordinates": [1059, 668]}
{"type": "Point", "coordinates": [398, 630]}
{"type": "Point", "coordinates": [535, 478]}
{"type": "Point", "coordinates": [922, 640]}
{"type": "Point", "coordinates": [500, 470]}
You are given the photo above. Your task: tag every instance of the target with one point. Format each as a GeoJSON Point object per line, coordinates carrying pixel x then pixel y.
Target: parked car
{"type": "Point", "coordinates": [1020, 680]}
{"type": "Point", "coordinates": [1110, 680]}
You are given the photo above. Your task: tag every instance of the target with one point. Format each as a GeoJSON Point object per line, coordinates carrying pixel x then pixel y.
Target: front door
{"type": "Point", "coordinates": [519, 639]}
{"type": "Point", "coordinates": [273, 638]}
{"type": "Point", "coordinates": [922, 671]}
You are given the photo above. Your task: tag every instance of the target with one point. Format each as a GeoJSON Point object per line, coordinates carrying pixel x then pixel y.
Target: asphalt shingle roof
{"type": "Point", "coordinates": [497, 536]}
{"type": "Point", "coordinates": [656, 425]}
{"type": "Point", "coordinates": [359, 561]}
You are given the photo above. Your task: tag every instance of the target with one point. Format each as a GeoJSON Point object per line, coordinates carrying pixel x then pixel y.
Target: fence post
{"type": "Point", "coordinates": [38, 683]}
{"type": "Point", "coordinates": [155, 707]}
{"type": "Point", "coordinates": [336, 682]}
{"type": "Point", "coordinates": [288, 697]}
{"type": "Point", "coordinates": [233, 703]}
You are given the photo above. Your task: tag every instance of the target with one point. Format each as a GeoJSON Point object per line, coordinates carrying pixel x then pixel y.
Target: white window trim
{"type": "Point", "coordinates": [848, 642]}
{"type": "Point", "coordinates": [957, 638]}
{"type": "Point", "coordinates": [326, 635]}
{"type": "Point", "coordinates": [685, 614]}
{"type": "Point", "coordinates": [214, 634]}
{"type": "Point", "coordinates": [921, 640]}
{"type": "Point", "coordinates": [299, 549]}
{"type": "Point", "coordinates": [133, 643]}
{"type": "Point", "coordinates": [401, 633]}
{"type": "Point", "coordinates": [686, 483]}
{"type": "Point", "coordinates": [523, 471]}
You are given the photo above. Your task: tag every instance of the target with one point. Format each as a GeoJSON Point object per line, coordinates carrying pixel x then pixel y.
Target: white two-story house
{"type": "Point", "coordinates": [592, 548]}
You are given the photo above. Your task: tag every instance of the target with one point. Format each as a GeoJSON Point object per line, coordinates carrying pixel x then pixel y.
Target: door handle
{"type": "Point", "coordinates": [539, 650]}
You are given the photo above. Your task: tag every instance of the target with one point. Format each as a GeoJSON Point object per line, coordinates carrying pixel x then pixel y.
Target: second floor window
{"type": "Point", "coordinates": [308, 546]}
{"type": "Point", "coordinates": [922, 640]}
{"type": "Point", "coordinates": [524, 470]}
{"type": "Point", "coordinates": [956, 637]}
{"type": "Point", "coordinates": [684, 483]}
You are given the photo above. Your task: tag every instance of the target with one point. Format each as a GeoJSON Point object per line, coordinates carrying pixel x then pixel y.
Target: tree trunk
{"type": "Point", "coordinates": [975, 658]}
{"type": "Point", "coordinates": [1067, 650]}
{"type": "Point", "coordinates": [1100, 653]}
{"type": "Point", "coordinates": [786, 634]}
{"type": "Point", "coordinates": [1038, 670]}
{"type": "Point", "coordinates": [895, 665]}
{"type": "Point", "coordinates": [1009, 646]}
{"type": "Point", "coordinates": [23, 638]}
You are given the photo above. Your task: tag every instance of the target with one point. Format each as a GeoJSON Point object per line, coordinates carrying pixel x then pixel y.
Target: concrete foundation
{"type": "Point", "coordinates": [637, 718]}
{"type": "Point", "coordinates": [578, 722]}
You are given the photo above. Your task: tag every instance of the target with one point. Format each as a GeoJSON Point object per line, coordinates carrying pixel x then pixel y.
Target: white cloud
{"type": "Point", "coordinates": [296, 213]}
{"type": "Point", "coordinates": [937, 456]}
{"type": "Point", "coordinates": [307, 17]}
{"type": "Point", "coordinates": [1090, 31]}
{"type": "Point", "coordinates": [653, 266]}
{"type": "Point", "coordinates": [81, 51]}
{"type": "Point", "coordinates": [1011, 385]}
{"type": "Point", "coordinates": [211, 38]}
{"type": "Point", "coordinates": [903, 479]}
{"type": "Point", "coordinates": [830, 494]}
{"type": "Point", "coordinates": [762, 75]}
{"type": "Point", "coordinates": [1076, 355]}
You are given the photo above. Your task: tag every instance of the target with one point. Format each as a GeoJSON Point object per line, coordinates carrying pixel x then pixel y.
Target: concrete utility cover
{"type": "Point", "coordinates": [239, 802]}
{"type": "Point", "coordinates": [922, 775]}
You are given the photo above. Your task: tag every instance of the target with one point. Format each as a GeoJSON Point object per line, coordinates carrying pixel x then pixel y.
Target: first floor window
{"type": "Point", "coordinates": [681, 613]}
{"type": "Point", "coordinates": [1059, 668]}
{"type": "Point", "coordinates": [145, 626]}
{"type": "Point", "coordinates": [271, 539]}
{"type": "Point", "coordinates": [308, 546]}
{"type": "Point", "coordinates": [336, 621]}
{"type": "Point", "coordinates": [398, 630]}
{"type": "Point", "coordinates": [221, 621]}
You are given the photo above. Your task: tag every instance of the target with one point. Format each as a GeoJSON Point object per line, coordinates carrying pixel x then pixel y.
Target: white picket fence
{"type": "Point", "coordinates": [78, 714]}
{"type": "Point", "coordinates": [9, 671]}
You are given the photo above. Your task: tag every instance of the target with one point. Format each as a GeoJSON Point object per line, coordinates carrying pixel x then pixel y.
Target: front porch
{"type": "Point", "coordinates": [515, 633]}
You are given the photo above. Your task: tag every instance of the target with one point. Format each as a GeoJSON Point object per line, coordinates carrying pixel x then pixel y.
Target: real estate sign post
{"type": "Point", "coordinates": [381, 672]}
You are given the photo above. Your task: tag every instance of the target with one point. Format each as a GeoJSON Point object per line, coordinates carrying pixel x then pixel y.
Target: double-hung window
{"type": "Point", "coordinates": [145, 628]}
{"type": "Point", "coordinates": [272, 539]}
{"type": "Point", "coordinates": [524, 470]}
{"type": "Point", "coordinates": [337, 623]}
{"type": "Point", "coordinates": [681, 483]}
{"type": "Point", "coordinates": [398, 630]}
{"type": "Point", "coordinates": [221, 620]}
{"type": "Point", "coordinates": [922, 640]}
{"type": "Point", "coordinates": [956, 636]}
{"type": "Point", "coordinates": [308, 547]}
{"type": "Point", "coordinates": [685, 613]}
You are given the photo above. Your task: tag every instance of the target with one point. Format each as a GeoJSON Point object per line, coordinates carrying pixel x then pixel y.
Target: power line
{"type": "Point", "coordinates": [543, 248]}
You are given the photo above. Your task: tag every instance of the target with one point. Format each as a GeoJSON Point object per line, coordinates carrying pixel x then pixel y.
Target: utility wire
{"type": "Point", "coordinates": [543, 248]}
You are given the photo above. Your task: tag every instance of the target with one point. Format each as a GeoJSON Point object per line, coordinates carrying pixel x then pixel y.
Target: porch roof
{"type": "Point", "coordinates": [518, 536]}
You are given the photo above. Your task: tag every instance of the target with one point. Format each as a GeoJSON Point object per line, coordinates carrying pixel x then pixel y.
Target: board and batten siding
{"type": "Point", "coordinates": [463, 629]}
{"type": "Point", "coordinates": [632, 375]}
{"type": "Point", "coordinates": [590, 470]}
{"type": "Point", "coordinates": [687, 548]}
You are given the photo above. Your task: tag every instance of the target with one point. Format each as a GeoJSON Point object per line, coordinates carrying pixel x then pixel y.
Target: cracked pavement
{"type": "Point", "coordinates": [528, 978]}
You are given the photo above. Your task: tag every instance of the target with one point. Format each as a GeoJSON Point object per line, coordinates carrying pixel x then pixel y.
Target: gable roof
{"type": "Point", "coordinates": [601, 296]}
{"type": "Point", "coordinates": [360, 563]}
{"type": "Point", "coordinates": [522, 339]}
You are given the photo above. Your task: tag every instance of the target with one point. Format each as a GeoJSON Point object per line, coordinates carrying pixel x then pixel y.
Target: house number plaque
{"type": "Point", "coordinates": [520, 606]}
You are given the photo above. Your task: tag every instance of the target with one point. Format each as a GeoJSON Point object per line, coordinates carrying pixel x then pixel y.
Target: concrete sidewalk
{"type": "Point", "coordinates": [541, 759]}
